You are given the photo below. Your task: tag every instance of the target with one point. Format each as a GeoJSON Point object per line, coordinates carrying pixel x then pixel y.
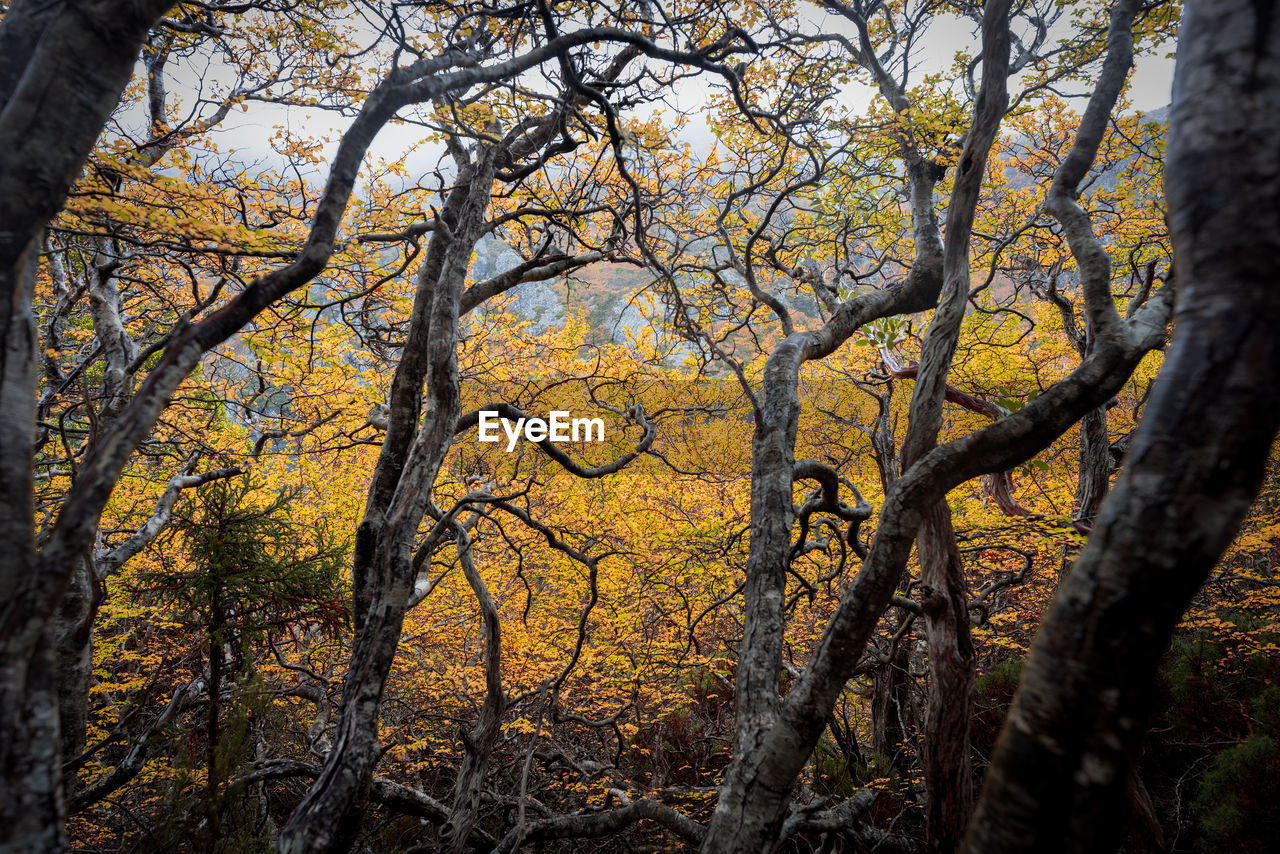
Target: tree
{"type": "Point", "coordinates": [80, 60]}
{"type": "Point", "coordinates": [252, 574]}
{"type": "Point", "coordinates": [48, 148]}
{"type": "Point", "coordinates": [1077, 722]}
{"type": "Point", "coordinates": [774, 736]}
{"type": "Point", "coordinates": [676, 635]}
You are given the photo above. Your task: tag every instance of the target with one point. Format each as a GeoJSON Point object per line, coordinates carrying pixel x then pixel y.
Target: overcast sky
{"type": "Point", "coordinates": [248, 133]}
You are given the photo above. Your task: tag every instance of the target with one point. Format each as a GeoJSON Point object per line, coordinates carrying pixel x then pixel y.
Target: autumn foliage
{"type": "Point", "coordinates": [572, 625]}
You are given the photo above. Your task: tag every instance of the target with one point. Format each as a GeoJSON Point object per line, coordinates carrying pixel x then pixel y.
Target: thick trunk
{"type": "Point", "coordinates": [772, 514]}
{"type": "Point", "coordinates": [1059, 772]}
{"type": "Point", "coordinates": [31, 801]}
{"type": "Point", "coordinates": [18, 362]}
{"type": "Point", "coordinates": [330, 815]}
{"type": "Point", "coordinates": [31, 805]}
{"type": "Point", "coordinates": [62, 72]}
{"type": "Point", "coordinates": [948, 772]}
{"type": "Point", "coordinates": [760, 654]}
{"type": "Point", "coordinates": [65, 67]}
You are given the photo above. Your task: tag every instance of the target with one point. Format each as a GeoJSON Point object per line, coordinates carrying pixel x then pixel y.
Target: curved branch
{"type": "Point", "coordinates": [150, 529]}
{"type": "Point", "coordinates": [479, 746]}
{"type": "Point", "coordinates": [593, 825]}
{"type": "Point", "coordinates": [828, 501]}
{"type": "Point", "coordinates": [393, 796]}
{"type": "Point", "coordinates": [506, 410]}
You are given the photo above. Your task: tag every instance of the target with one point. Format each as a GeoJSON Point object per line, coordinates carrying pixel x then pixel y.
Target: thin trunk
{"type": "Point", "coordinates": [479, 746]}
{"type": "Point", "coordinates": [79, 605]}
{"type": "Point", "coordinates": [75, 658]}
{"type": "Point", "coordinates": [217, 626]}
{"type": "Point", "coordinates": [892, 714]}
{"type": "Point", "coordinates": [1146, 835]}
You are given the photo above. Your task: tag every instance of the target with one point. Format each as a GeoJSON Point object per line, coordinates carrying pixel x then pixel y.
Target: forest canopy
{"type": "Point", "coordinates": [834, 426]}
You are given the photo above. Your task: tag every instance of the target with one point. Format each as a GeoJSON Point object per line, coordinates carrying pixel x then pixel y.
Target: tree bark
{"type": "Point", "coordinates": [738, 822]}
{"type": "Point", "coordinates": [948, 772]}
{"type": "Point", "coordinates": [892, 715]}
{"type": "Point", "coordinates": [768, 751]}
{"type": "Point", "coordinates": [62, 71]}
{"type": "Point", "coordinates": [329, 817]}
{"type": "Point", "coordinates": [1060, 768]}
{"type": "Point", "coordinates": [57, 90]}
{"type": "Point", "coordinates": [63, 67]}
{"type": "Point", "coordinates": [74, 631]}
{"type": "Point", "coordinates": [479, 746]}
{"type": "Point", "coordinates": [1095, 466]}
{"type": "Point", "coordinates": [757, 783]}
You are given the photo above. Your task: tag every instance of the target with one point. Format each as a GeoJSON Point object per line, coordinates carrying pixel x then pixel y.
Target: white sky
{"type": "Point", "coordinates": [248, 133]}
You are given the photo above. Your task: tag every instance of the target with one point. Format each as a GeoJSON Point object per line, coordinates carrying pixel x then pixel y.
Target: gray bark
{"type": "Point", "coordinates": [420, 430]}
{"type": "Point", "coordinates": [759, 781]}
{"type": "Point", "coordinates": [391, 795]}
{"type": "Point", "coordinates": [74, 630]}
{"type": "Point", "coordinates": [1094, 475]}
{"type": "Point", "coordinates": [479, 745]}
{"type": "Point", "coordinates": [63, 67]}
{"type": "Point", "coordinates": [62, 70]}
{"type": "Point", "coordinates": [1060, 768]}
{"type": "Point", "coordinates": [892, 713]}
{"type": "Point", "coordinates": [948, 771]}
{"type": "Point", "coordinates": [948, 781]}
{"type": "Point", "coordinates": [737, 821]}
{"type": "Point", "coordinates": [52, 112]}
{"type": "Point", "coordinates": [590, 825]}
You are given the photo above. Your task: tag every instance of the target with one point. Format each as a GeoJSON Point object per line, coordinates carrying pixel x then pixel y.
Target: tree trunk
{"type": "Point", "coordinates": [772, 745]}
{"type": "Point", "coordinates": [479, 746]}
{"type": "Point", "coordinates": [948, 772]}
{"type": "Point", "coordinates": [892, 713]}
{"type": "Point", "coordinates": [1059, 772]}
{"type": "Point", "coordinates": [383, 574]}
{"type": "Point", "coordinates": [31, 805]}
{"type": "Point", "coordinates": [75, 659]}
{"type": "Point", "coordinates": [62, 70]}
{"type": "Point", "coordinates": [760, 654]}
{"type": "Point", "coordinates": [31, 800]}
{"type": "Point", "coordinates": [216, 637]}
{"type": "Point", "coordinates": [1094, 475]}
